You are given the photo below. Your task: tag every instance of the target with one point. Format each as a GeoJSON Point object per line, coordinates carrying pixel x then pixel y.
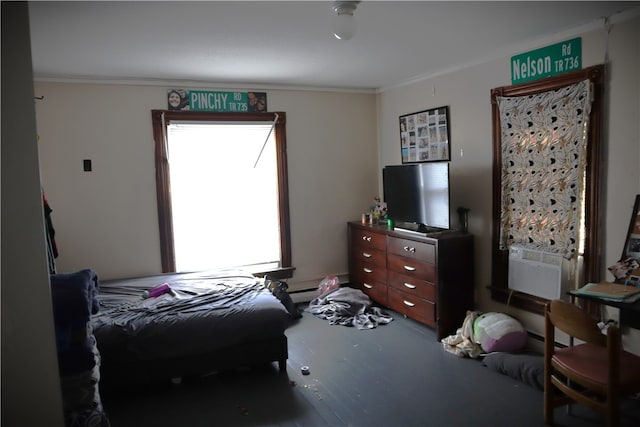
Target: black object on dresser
{"type": "Point", "coordinates": [428, 278]}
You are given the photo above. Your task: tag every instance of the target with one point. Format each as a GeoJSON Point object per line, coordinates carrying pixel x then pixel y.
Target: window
{"type": "Point", "coordinates": [534, 228]}
{"type": "Point", "coordinates": [195, 147]}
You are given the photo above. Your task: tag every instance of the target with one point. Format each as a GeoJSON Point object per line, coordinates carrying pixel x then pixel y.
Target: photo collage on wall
{"type": "Point", "coordinates": [424, 136]}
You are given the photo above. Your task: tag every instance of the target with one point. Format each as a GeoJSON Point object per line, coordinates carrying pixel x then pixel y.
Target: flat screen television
{"type": "Point", "coordinates": [417, 196]}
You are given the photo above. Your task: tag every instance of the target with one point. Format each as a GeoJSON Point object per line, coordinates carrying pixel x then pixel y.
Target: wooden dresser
{"type": "Point", "coordinates": [429, 279]}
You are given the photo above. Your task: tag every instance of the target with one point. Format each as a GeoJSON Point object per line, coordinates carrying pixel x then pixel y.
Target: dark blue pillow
{"type": "Point", "coordinates": [525, 367]}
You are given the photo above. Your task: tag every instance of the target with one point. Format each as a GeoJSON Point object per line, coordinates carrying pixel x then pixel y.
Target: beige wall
{"type": "Point", "coordinates": [467, 93]}
{"type": "Point", "coordinates": [107, 219]}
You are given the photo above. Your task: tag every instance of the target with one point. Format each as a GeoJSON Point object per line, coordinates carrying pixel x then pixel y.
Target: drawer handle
{"type": "Point", "coordinates": [409, 249]}
{"type": "Point", "coordinates": [366, 255]}
{"type": "Point", "coordinates": [409, 304]}
{"type": "Point", "coordinates": [366, 238]}
{"type": "Point", "coordinates": [409, 285]}
{"type": "Point", "coordinates": [368, 286]}
{"type": "Point", "coordinates": [409, 268]}
{"type": "Point", "coordinates": [367, 270]}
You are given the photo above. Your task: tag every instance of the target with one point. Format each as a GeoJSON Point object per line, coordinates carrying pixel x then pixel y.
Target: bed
{"type": "Point", "coordinates": [211, 321]}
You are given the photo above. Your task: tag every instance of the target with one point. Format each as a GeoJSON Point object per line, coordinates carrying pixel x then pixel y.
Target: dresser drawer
{"type": "Point", "coordinates": [361, 253]}
{"type": "Point", "coordinates": [412, 268]}
{"type": "Point", "coordinates": [366, 271]}
{"type": "Point", "coordinates": [411, 306]}
{"type": "Point", "coordinates": [425, 252]}
{"type": "Point", "coordinates": [411, 286]}
{"type": "Point", "coordinates": [371, 280]}
{"type": "Point", "coordinates": [375, 290]}
{"type": "Point", "coordinates": [367, 240]}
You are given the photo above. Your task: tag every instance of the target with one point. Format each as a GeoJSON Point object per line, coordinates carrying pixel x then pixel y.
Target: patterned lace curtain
{"type": "Point", "coordinates": [544, 144]}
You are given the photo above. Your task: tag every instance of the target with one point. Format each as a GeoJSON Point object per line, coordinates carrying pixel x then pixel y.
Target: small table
{"type": "Point", "coordinates": [629, 311]}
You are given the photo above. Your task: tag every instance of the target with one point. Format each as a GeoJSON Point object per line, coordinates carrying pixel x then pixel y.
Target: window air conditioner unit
{"type": "Point", "coordinates": [535, 272]}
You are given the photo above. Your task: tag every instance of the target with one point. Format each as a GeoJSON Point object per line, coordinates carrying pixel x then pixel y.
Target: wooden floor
{"type": "Point", "coordinates": [394, 375]}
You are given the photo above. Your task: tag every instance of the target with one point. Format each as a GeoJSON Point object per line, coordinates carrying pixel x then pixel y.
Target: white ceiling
{"type": "Point", "coordinates": [287, 44]}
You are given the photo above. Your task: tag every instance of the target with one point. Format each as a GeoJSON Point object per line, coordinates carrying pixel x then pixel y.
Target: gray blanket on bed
{"type": "Point", "coordinates": [348, 307]}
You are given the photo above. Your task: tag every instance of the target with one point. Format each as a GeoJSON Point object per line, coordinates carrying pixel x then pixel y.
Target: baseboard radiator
{"type": "Point", "coordinates": [305, 290]}
{"type": "Point", "coordinates": [303, 296]}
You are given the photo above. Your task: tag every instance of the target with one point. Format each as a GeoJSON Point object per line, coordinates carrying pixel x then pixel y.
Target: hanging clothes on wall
{"type": "Point", "coordinates": [52, 249]}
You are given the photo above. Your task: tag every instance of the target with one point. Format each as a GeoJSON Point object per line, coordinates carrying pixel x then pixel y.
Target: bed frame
{"type": "Point", "coordinates": [122, 369]}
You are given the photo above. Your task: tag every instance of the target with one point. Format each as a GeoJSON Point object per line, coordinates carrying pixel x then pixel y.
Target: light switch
{"type": "Point", "coordinates": [86, 164]}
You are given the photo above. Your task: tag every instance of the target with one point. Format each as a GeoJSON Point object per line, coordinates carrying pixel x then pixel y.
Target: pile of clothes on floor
{"type": "Point", "coordinates": [346, 306]}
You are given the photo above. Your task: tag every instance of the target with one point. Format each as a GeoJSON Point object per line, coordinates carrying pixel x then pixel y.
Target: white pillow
{"type": "Point", "coordinates": [499, 332]}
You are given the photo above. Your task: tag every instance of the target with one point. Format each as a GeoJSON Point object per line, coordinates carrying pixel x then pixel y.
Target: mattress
{"type": "Point", "coordinates": [205, 312]}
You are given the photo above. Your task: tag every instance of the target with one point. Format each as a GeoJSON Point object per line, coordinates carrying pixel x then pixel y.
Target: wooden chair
{"type": "Point", "coordinates": [595, 372]}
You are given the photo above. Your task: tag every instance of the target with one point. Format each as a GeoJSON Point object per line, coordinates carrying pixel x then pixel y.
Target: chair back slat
{"type": "Point", "coordinates": [576, 323]}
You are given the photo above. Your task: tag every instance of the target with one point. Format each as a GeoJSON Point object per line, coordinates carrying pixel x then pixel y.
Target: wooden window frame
{"type": "Point", "coordinates": [592, 252]}
{"type": "Point", "coordinates": [161, 119]}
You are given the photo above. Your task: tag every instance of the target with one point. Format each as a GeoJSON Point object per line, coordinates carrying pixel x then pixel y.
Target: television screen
{"type": "Point", "coordinates": [418, 195]}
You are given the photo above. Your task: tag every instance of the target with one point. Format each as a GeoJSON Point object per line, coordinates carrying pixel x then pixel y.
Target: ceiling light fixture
{"type": "Point", "coordinates": [344, 24]}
